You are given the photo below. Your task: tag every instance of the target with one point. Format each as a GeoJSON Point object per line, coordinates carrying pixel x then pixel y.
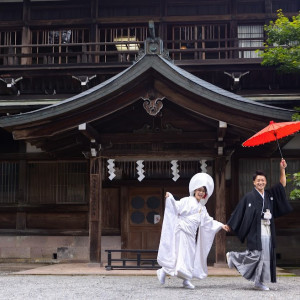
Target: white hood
{"type": "Point", "coordinates": [199, 180]}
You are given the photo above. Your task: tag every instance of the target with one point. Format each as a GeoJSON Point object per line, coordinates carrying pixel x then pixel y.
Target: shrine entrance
{"type": "Point", "coordinates": [145, 209]}
{"type": "Point", "coordinates": [145, 212]}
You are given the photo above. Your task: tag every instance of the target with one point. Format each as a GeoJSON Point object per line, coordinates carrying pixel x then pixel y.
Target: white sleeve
{"type": "Point", "coordinates": [177, 205]}
{"type": "Point", "coordinates": [209, 224]}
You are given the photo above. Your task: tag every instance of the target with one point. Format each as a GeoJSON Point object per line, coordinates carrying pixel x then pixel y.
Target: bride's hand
{"type": "Point", "coordinates": [226, 228]}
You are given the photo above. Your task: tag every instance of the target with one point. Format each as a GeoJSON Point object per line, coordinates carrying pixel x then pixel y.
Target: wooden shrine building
{"type": "Point", "coordinates": [102, 112]}
{"type": "Point", "coordinates": [152, 113]}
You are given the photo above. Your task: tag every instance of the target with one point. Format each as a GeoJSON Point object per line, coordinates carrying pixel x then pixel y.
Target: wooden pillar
{"type": "Point", "coordinates": [94, 35]}
{"type": "Point", "coordinates": [95, 219]}
{"type": "Point", "coordinates": [26, 33]}
{"type": "Point", "coordinates": [220, 213]}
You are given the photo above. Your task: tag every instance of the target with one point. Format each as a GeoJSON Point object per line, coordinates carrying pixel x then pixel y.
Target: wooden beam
{"type": "Point", "coordinates": [221, 134]}
{"type": "Point", "coordinates": [90, 132]}
{"type": "Point", "coordinates": [222, 130]}
{"type": "Point", "coordinates": [138, 153]}
{"type": "Point", "coordinates": [165, 137]}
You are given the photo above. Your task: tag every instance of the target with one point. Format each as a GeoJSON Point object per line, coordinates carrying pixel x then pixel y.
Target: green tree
{"type": "Point", "coordinates": [295, 193]}
{"type": "Point", "coordinates": [282, 48]}
{"type": "Point", "coordinates": [295, 178]}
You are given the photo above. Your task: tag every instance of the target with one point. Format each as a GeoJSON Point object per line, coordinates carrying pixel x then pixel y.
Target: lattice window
{"type": "Point", "coordinates": [55, 45]}
{"type": "Point", "coordinates": [250, 36]}
{"type": "Point", "coordinates": [126, 40]}
{"type": "Point", "coordinates": [60, 36]}
{"type": "Point", "coordinates": [9, 182]}
{"type": "Point", "coordinates": [194, 39]}
{"type": "Point", "coordinates": [57, 183]}
{"type": "Point", "coordinates": [9, 39]}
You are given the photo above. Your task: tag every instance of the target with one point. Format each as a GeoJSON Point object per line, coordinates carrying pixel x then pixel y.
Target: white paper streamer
{"type": "Point", "coordinates": [140, 169]}
{"type": "Point", "coordinates": [203, 165]}
{"type": "Point", "coordinates": [175, 170]}
{"type": "Point", "coordinates": [111, 168]}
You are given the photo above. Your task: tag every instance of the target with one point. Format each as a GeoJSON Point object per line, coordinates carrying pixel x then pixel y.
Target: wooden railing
{"type": "Point", "coordinates": [31, 56]}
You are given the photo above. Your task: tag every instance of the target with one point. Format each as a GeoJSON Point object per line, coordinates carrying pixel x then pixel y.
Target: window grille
{"type": "Point", "coordinates": [57, 183]}
{"type": "Point", "coordinates": [9, 39]}
{"type": "Point", "coordinates": [55, 46]}
{"type": "Point", "coordinates": [250, 36]}
{"type": "Point", "coordinates": [126, 40]}
{"type": "Point", "coordinates": [9, 182]}
{"type": "Point", "coordinates": [195, 41]}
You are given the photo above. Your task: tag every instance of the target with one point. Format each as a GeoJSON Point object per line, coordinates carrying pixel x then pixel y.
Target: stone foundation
{"type": "Point", "coordinates": [52, 249]}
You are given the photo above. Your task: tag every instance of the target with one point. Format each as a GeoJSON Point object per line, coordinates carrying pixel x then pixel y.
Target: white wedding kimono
{"type": "Point", "coordinates": [179, 254]}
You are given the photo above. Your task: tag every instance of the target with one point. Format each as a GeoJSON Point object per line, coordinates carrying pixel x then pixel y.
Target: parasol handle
{"type": "Point", "coordinates": [278, 145]}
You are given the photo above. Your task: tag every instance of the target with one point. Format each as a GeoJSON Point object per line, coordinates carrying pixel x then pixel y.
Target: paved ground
{"type": "Point", "coordinates": [91, 282]}
{"type": "Point", "coordinates": [139, 288]}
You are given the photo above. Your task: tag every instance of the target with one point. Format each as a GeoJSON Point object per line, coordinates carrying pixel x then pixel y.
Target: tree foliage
{"type": "Point", "coordinates": [295, 177]}
{"type": "Point", "coordinates": [282, 48]}
{"type": "Point", "coordinates": [295, 193]}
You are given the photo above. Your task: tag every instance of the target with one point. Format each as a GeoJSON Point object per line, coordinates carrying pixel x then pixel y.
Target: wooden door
{"type": "Point", "coordinates": [145, 213]}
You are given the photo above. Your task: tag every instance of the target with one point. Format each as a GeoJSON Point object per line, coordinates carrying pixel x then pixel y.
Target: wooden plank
{"type": "Point", "coordinates": [8, 221]}
{"type": "Point", "coordinates": [58, 221]}
{"type": "Point", "coordinates": [124, 216]}
{"type": "Point", "coordinates": [110, 210]}
{"type": "Point", "coordinates": [21, 221]}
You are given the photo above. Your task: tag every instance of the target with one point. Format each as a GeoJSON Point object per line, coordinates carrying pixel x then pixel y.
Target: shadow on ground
{"type": "Point", "coordinates": [6, 268]}
{"type": "Point", "coordinates": [295, 271]}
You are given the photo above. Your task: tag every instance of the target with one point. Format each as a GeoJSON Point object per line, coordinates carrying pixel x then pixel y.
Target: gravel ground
{"type": "Point", "coordinates": [139, 288]}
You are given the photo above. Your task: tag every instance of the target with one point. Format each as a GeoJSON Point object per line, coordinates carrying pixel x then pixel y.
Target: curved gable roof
{"type": "Point", "coordinates": [172, 82]}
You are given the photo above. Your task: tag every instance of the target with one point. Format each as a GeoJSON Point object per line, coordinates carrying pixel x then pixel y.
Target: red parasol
{"type": "Point", "coordinates": [273, 132]}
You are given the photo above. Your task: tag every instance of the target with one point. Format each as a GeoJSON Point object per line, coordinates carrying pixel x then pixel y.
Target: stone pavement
{"type": "Point", "coordinates": [84, 281]}
{"type": "Point", "coordinates": [96, 269]}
